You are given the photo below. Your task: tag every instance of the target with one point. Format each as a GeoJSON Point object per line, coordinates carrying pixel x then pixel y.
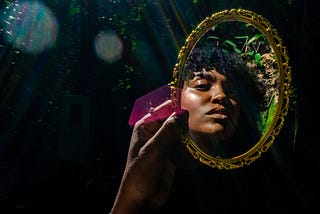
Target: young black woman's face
{"type": "Point", "coordinates": [208, 97]}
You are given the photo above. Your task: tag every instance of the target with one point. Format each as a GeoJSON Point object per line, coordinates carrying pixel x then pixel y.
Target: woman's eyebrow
{"type": "Point", "coordinates": [205, 75]}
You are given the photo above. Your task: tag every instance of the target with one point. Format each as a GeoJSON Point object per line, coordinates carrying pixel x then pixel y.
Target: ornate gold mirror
{"type": "Point", "coordinates": [232, 76]}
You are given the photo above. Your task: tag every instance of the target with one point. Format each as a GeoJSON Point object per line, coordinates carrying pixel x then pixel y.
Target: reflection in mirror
{"type": "Point", "coordinates": [233, 81]}
{"type": "Point", "coordinates": [220, 96]}
{"type": "Point", "coordinates": [251, 46]}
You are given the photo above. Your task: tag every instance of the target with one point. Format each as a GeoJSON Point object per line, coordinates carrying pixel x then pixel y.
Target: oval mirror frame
{"type": "Point", "coordinates": [281, 110]}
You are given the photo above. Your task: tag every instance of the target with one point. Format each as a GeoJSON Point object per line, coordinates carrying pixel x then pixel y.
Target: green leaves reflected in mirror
{"type": "Point", "coordinates": [233, 77]}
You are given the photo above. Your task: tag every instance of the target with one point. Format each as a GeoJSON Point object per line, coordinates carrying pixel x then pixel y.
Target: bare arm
{"type": "Point", "coordinates": [147, 179]}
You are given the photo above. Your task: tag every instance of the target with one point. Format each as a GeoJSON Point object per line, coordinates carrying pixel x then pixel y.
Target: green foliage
{"type": "Point", "coordinates": [247, 43]}
{"type": "Point", "coordinates": [74, 10]}
{"type": "Point", "coordinates": [266, 117]}
{"type": "Point", "coordinates": [246, 47]}
{"type": "Point", "coordinates": [125, 83]}
{"type": "Point", "coordinates": [126, 26]}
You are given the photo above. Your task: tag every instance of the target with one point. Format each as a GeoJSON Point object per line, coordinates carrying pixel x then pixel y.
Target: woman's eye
{"type": "Point", "coordinates": [203, 87]}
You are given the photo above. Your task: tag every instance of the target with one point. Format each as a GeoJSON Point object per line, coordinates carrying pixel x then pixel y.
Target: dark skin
{"type": "Point", "coordinates": [150, 168]}
{"type": "Point", "coordinates": [149, 172]}
{"type": "Point", "coordinates": [213, 111]}
{"type": "Point", "coordinates": [156, 151]}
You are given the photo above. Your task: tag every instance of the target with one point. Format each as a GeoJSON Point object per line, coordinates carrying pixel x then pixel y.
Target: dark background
{"type": "Point", "coordinates": [54, 160]}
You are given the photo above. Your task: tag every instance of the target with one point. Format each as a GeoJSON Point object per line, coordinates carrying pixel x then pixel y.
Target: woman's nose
{"type": "Point", "coordinates": [218, 94]}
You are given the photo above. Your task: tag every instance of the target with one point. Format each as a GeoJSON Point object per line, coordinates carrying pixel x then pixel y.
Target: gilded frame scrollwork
{"type": "Point", "coordinates": [268, 138]}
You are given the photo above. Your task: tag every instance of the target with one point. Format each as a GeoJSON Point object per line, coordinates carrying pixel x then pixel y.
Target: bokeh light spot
{"type": "Point", "coordinates": [29, 26]}
{"type": "Point", "coordinates": [108, 46]}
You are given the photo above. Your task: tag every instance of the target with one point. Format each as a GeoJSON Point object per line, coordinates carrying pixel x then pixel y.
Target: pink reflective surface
{"type": "Point", "coordinates": [146, 103]}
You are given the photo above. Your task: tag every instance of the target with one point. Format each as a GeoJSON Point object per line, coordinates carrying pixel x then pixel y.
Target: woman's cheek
{"type": "Point", "coordinates": [189, 101]}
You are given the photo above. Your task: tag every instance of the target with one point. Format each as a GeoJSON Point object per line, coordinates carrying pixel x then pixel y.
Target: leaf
{"type": "Point", "coordinates": [229, 42]}
{"type": "Point", "coordinates": [250, 53]}
{"type": "Point", "coordinates": [213, 37]}
{"type": "Point", "coordinates": [241, 37]}
{"type": "Point", "coordinates": [74, 10]}
{"type": "Point", "coordinates": [257, 57]}
{"type": "Point", "coordinates": [255, 38]}
{"type": "Point", "coordinates": [238, 51]}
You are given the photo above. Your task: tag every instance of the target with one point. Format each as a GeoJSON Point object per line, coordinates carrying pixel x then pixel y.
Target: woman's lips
{"type": "Point", "coordinates": [218, 116]}
{"type": "Point", "coordinates": [218, 113]}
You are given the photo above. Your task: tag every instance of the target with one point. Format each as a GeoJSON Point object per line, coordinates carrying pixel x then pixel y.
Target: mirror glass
{"type": "Point", "coordinates": [233, 78]}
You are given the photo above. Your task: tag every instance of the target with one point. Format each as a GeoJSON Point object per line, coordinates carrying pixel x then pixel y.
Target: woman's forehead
{"type": "Point", "coordinates": [211, 73]}
{"type": "Point", "coordinates": [205, 71]}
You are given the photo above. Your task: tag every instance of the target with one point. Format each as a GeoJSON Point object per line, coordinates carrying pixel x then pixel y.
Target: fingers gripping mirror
{"type": "Point", "coordinates": [233, 77]}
